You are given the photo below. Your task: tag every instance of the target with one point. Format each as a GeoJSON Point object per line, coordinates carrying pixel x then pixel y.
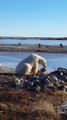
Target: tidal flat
{"type": "Point", "coordinates": [33, 48]}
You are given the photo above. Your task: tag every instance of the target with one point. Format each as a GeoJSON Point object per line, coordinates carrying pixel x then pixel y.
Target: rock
{"type": "Point", "coordinates": [65, 89]}
{"type": "Point", "coordinates": [33, 77]}
{"type": "Point", "coordinates": [38, 88]}
{"type": "Point", "coordinates": [61, 87]}
{"type": "Point", "coordinates": [53, 79]}
{"type": "Point", "coordinates": [19, 82]}
{"type": "Point", "coordinates": [42, 76]}
{"type": "Point", "coordinates": [61, 73]}
{"type": "Point", "coordinates": [13, 84]}
{"type": "Point", "coordinates": [41, 81]}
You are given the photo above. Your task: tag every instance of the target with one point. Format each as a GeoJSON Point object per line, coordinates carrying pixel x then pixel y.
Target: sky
{"type": "Point", "coordinates": [46, 18]}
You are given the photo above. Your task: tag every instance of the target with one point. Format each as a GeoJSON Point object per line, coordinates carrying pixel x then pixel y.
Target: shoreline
{"type": "Point", "coordinates": [33, 48]}
{"type": "Point", "coordinates": [32, 37]}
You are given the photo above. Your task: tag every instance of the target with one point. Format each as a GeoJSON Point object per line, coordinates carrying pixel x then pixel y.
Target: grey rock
{"type": "Point", "coordinates": [53, 79]}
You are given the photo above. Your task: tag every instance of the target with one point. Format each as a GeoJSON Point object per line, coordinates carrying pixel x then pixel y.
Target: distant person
{"type": "Point", "coordinates": [39, 45]}
{"type": "Point", "coordinates": [19, 43]}
{"type": "Point", "coordinates": [30, 65]}
{"type": "Point", "coordinates": [61, 45]}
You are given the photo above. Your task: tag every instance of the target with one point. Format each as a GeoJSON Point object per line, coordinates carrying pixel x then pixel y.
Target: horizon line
{"type": "Point", "coordinates": [34, 36]}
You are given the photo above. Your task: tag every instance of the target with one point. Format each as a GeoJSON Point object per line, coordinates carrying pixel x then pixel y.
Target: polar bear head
{"type": "Point", "coordinates": [39, 59]}
{"type": "Point", "coordinates": [42, 61]}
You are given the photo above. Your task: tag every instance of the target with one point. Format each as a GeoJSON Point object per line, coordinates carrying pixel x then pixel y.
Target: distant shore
{"type": "Point", "coordinates": [29, 37]}
{"type": "Point", "coordinates": [33, 48]}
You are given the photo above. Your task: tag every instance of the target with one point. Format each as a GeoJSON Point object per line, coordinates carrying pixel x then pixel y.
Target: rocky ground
{"type": "Point", "coordinates": [33, 97]}
{"type": "Point", "coordinates": [6, 70]}
{"type": "Point", "coordinates": [33, 48]}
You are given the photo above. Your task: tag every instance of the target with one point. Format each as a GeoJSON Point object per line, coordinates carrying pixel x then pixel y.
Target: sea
{"type": "Point", "coordinates": [33, 41]}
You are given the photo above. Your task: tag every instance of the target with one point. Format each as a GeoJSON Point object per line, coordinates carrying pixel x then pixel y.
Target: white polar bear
{"type": "Point", "coordinates": [30, 65]}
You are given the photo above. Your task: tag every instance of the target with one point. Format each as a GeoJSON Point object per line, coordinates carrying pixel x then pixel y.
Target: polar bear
{"type": "Point", "coordinates": [30, 65]}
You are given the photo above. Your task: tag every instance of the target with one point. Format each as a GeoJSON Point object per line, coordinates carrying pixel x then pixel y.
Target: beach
{"type": "Point", "coordinates": [33, 48]}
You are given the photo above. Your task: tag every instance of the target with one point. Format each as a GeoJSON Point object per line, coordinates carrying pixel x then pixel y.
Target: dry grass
{"type": "Point", "coordinates": [20, 104]}
{"type": "Point", "coordinates": [48, 108]}
{"type": "Point", "coordinates": [43, 105]}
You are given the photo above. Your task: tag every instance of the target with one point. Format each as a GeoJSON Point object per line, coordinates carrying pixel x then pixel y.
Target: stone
{"type": "Point", "coordinates": [53, 79]}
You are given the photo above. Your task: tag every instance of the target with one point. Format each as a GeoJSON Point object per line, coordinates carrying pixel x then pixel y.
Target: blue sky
{"type": "Point", "coordinates": [33, 18]}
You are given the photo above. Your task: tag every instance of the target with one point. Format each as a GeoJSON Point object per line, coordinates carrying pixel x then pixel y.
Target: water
{"type": "Point", "coordinates": [11, 59]}
{"type": "Point", "coordinates": [29, 41]}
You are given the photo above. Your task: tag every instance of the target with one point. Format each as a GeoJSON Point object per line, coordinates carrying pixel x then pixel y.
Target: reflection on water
{"type": "Point", "coordinates": [11, 59]}
{"type": "Point", "coordinates": [45, 42]}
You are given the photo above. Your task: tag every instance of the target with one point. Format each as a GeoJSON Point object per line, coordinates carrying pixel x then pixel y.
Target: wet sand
{"type": "Point", "coordinates": [33, 48]}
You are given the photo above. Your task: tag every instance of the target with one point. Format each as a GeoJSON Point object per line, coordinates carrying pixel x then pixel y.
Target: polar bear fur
{"type": "Point", "coordinates": [30, 65]}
